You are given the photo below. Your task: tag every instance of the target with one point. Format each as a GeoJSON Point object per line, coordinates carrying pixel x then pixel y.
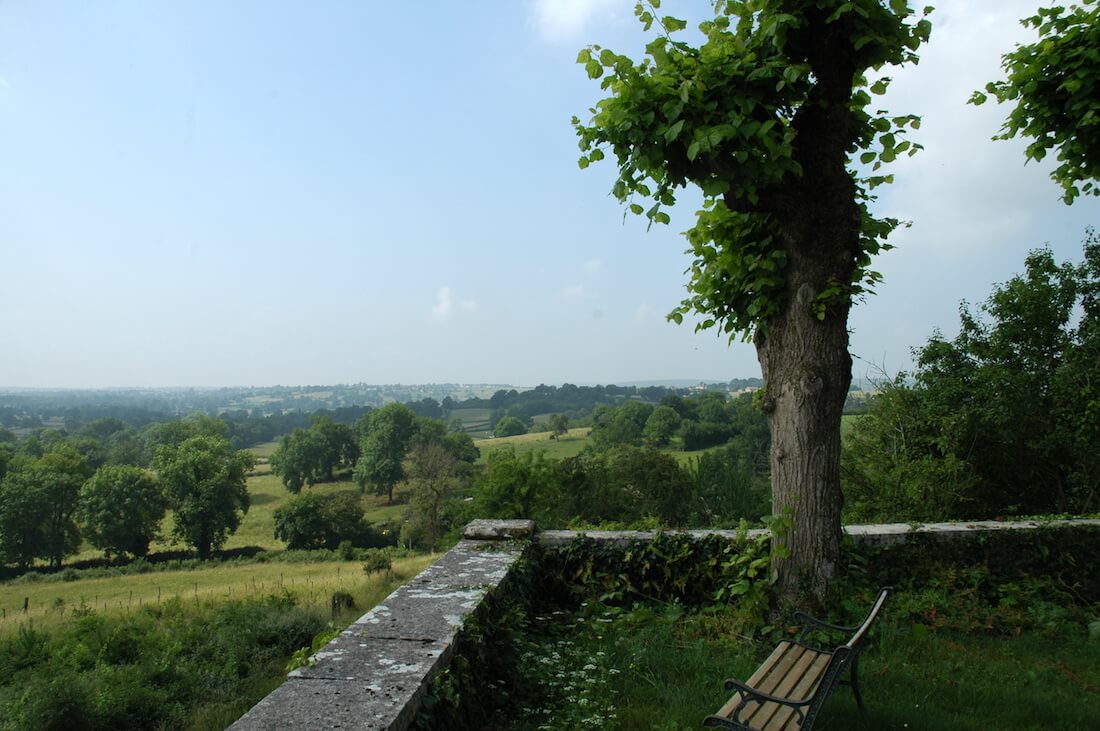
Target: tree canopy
{"type": "Point", "coordinates": [204, 481]}
{"type": "Point", "coordinates": [1055, 86]}
{"type": "Point", "coordinates": [383, 445]}
{"type": "Point", "coordinates": [121, 508]}
{"type": "Point", "coordinates": [1002, 420]}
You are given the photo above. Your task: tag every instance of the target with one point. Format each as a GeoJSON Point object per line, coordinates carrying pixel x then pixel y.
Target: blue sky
{"type": "Point", "coordinates": [246, 193]}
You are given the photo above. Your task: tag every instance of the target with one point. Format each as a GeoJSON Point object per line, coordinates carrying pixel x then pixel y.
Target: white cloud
{"type": "Point", "coordinates": [573, 292]}
{"type": "Point", "coordinates": [561, 20]}
{"type": "Point", "coordinates": [591, 266]}
{"type": "Point", "coordinates": [446, 304]}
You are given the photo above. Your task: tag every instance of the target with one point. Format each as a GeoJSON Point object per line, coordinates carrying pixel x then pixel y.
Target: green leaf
{"type": "Point", "coordinates": [594, 69]}
{"type": "Point", "coordinates": [661, 217]}
{"type": "Point", "coordinates": [584, 56]}
{"type": "Point", "coordinates": [867, 157]}
{"type": "Point", "coordinates": [583, 163]}
{"type": "Point", "coordinates": [674, 131]}
{"type": "Point", "coordinates": [693, 150]}
{"type": "Point", "coordinates": [673, 24]}
{"type": "Point", "coordinates": [636, 209]}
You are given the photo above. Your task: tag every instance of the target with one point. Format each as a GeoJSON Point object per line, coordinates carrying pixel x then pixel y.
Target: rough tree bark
{"type": "Point", "coordinates": [804, 357]}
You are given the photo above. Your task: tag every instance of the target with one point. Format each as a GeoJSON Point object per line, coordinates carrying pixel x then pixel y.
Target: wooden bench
{"type": "Point", "coordinates": [788, 690]}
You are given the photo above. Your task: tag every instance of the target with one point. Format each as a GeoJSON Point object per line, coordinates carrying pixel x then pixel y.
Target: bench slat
{"type": "Point", "coordinates": [805, 688]}
{"type": "Point", "coordinates": [772, 715]}
{"type": "Point", "coordinates": [727, 710]}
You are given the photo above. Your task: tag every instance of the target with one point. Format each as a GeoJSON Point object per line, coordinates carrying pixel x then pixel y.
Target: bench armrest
{"type": "Point", "coordinates": [750, 693]}
{"type": "Point", "coordinates": [815, 623]}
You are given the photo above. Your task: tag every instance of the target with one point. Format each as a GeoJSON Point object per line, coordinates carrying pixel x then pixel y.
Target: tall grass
{"type": "Point", "coordinates": [52, 603]}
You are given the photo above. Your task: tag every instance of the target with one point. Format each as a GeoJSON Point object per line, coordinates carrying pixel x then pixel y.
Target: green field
{"type": "Point", "coordinates": [568, 445]}
{"type": "Point", "coordinates": [475, 422]}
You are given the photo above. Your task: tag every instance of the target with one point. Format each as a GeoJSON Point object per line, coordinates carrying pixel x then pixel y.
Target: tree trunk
{"type": "Point", "coordinates": [807, 371]}
{"type": "Point", "coordinates": [803, 356]}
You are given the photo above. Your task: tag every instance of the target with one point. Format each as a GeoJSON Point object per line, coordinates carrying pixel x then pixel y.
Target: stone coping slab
{"type": "Point", "coordinates": [331, 704]}
{"type": "Point", "coordinates": [871, 533]}
{"type": "Point", "coordinates": [470, 563]}
{"type": "Point", "coordinates": [426, 613]}
{"type": "Point", "coordinates": [488, 530]}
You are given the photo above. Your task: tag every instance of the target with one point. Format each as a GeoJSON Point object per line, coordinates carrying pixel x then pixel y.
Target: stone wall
{"type": "Point", "coordinates": [374, 674]}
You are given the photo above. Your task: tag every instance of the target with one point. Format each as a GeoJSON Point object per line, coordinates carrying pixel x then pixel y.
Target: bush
{"type": "Point", "coordinates": [377, 561]}
{"type": "Point", "coordinates": [311, 521]}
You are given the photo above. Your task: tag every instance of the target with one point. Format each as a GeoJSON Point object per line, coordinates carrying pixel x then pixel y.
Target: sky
{"type": "Point", "coordinates": [205, 193]}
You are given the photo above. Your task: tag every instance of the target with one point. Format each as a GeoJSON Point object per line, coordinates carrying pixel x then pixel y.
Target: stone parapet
{"type": "Point", "coordinates": [374, 674]}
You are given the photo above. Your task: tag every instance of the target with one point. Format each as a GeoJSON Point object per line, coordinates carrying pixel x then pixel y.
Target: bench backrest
{"type": "Point", "coordinates": [843, 656]}
{"type": "Point", "coordinates": [860, 634]}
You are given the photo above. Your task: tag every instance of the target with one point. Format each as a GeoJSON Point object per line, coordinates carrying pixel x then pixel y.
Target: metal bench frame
{"type": "Point", "coordinates": [842, 660]}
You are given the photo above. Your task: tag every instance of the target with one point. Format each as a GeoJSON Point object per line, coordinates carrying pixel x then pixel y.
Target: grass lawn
{"type": "Point", "coordinates": [650, 670]}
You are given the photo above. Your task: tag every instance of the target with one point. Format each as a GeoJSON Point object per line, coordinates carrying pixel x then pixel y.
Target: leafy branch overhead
{"type": "Point", "coordinates": [1055, 84]}
{"type": "Point", "coordinates": [731, 116]}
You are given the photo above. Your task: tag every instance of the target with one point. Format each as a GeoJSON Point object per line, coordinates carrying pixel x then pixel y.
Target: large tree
{"type": "Point", "coordinates": [121, 508]}
{"type": "Point", "coordinates": [38, 502]}
{"type": "Point", "coordinates": [385, 440]}
{"type": "Point", "coordinates": [765, 117]}
{"type": "Point", "coordinates": [1054, 84]}
{"type": "Point", "coordinates": [204, 480]}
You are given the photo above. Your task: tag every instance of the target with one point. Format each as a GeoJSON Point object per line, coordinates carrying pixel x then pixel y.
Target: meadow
{"type": "Point", "coordinates": [49, 600]}
{"type": "Point", "coordinates": [567, 445]}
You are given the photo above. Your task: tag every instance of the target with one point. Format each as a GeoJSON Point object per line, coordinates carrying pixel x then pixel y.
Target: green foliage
{"type": "Point", "coordinates": [509, 426]}
{"type": "Point", "coordinates": [121, 508]}
{"type": "Point", "coordinates": [728, 485]}
{"type": "Point", "coordinates": [739, 117]}
{"type": "Point", "coordinates": [1042, 580]}
{"type": "Point", "coordinates": [431, 470]}
{"type": "Point", "coordinates": [38, 502]}
{"type": "Point", "coordinates": [310, 521]}
{"type": "Point", "coordinates": [514, 486]}
{"type": "Point", "coordinates": [1004, 419]}
{"type": "Point", "coordinates": [1055, 86]}
{"type": "Point", "coordinates": [559, 425]}
{"type": "Point", "coordinates": [204, 481]}
{"type": "Point", "coordinates": [624, 424]}
{"type": "Point", "coordinates": [152, 669]}
{"type": "Point", "coordinates": [306, 457]}
{"type": "Point", "coordinates": [661, 425]}
{"type": "Point", "coordinates": [694, 572]}
{"type": "Point", "coordinates": [383, 444]}
{"type": "Point", "coordinates": [378, 561]}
